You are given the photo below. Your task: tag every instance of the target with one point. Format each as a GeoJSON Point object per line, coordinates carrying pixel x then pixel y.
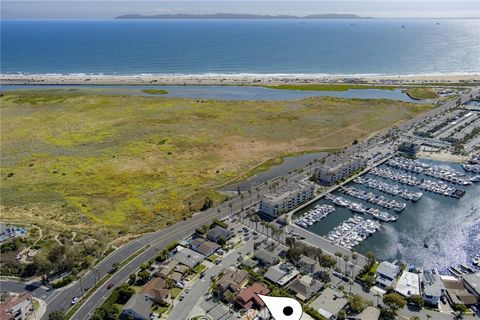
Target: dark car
{"type": "Point", "coordinates": [110, 286]}
{"type": "Point", "coordinates": [202, 275]}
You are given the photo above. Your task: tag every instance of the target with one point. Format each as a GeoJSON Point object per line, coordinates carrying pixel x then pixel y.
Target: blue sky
{"type": "Point", "coordinates": [85, 9]}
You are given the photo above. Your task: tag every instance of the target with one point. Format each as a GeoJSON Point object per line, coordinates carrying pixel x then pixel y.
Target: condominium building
{"type": "Point", "coordinates": [287, 198]}
{"type": "Point", "coordinates": [338, 168]}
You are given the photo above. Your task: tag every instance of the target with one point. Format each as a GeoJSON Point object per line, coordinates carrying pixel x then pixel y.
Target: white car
{"type": "Point", "coordinates": [74, 300]}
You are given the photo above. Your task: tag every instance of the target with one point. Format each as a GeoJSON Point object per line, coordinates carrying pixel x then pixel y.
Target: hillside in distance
{"type": "Point", "coordinates": [240, 16]}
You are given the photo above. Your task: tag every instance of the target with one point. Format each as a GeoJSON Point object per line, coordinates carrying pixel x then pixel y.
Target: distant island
{"type": "Point", "coordinates": [239, 16]}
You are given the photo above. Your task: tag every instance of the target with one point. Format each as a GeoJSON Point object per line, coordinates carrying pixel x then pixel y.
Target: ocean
{"type": "Point", "coordinates": [338, 47]}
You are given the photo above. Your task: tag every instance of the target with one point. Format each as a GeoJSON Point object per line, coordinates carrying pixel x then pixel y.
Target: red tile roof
{"type": "Point", "coordinates": [248, 298]}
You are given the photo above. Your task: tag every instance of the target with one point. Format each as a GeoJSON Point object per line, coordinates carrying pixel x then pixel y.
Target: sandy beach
{"type": "Point", "coordinates": [231, 79]}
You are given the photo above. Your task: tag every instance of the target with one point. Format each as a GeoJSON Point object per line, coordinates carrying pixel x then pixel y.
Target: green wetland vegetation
{"type": "Point", "coordinates": [122, 165]}
{"type": "Point", "coordinates": [155, 91]}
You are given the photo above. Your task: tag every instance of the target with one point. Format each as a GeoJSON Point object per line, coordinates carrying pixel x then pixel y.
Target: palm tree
{"type": "Point", "coordinates": [350, 282]}
{"type": "Point", "coordinates": [231, 208]}
{"type": "Point", "coordinates": [338, 255]}
{"type": "Point", "coordinates": [219, 211]}
{"type": "Point", "coordinates": [346, 258]}
{"type": "Point", "coordinates": [281, 233]}
{"type": "Point", "coordinates": [354, 259]}
{"type": "Point", "coordinates": [267, 226]}
{"type": "Point", "coordinates": [273, 231]}
{"type": "Point", "coordinates": [256, 218]}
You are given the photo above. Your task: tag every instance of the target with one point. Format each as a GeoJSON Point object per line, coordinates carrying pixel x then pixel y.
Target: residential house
{"type": "Point", "coordinates": [182, 269]}
{"type": "Point", "coordinates": [232, 281]}
{"type": "Point", "coordinates": [408, 284]}
{"type": "Point", "coordinates": [138, 307]}
{"type": "Point", "coordinates": [456, 292]}
{"type": "Point", "coordinates": [433, 288]}
{"type": "Point", "coordinates": [329, 303]}
{"type": "Point", "coordinates": [307, 265]}
{"type": "Point", "coordinates": [281, 274]}
{"type": "Point", "coordinates": [157, 289]}
{"type": "Point", "coordinates": [305, 287]}
{"type": "Point", "coordinates": [248, 262]}
{"type": "Point", "coordinates": [248, 298]}
{"type": "Point", "coordinates": [387, 272]}
{"type": "Point", "coordinates": [17, 307]}
{"type": "Point", "coordinates": [166, 268]}
{"type": "Point", "coordinates": [188, 257]}
{"type": "Point", "coordinates": [265, 257]}
{"type": "Point", "coordinates": [218, 232]}
{"type": "Point", "coordinates": [176, 277]}
{"type": "Point", "coordinates": [205, 247]}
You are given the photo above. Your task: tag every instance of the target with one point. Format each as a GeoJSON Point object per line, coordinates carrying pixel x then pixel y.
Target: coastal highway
{"type": "Point", "coordinates": [154, 242]}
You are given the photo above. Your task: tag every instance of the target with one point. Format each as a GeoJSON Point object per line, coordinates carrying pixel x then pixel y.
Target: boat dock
{"type": "Point", "coordinates": [360, 208]}
{"type": "Point", "coordinates": [373, 198]}
{"type": "Point", "coordinates": [387, 188]}
{"type": "Point", "coordinates": [416, 166]}
{"type": "Point", "coordinates": [353, 231]}
{"type": "Point", "coordinates": [438, 187]}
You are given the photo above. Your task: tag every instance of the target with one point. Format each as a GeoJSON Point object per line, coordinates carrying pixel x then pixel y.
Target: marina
{"type": "Point", "coordinates": [388, 188]}
{"type": "Point", "coordinates": [375, 199]}
{"type": "Point", "coordinates": [353, 231]}
{"type": "Point", "coordinates": [416, 166]}
{"type": "Point", "coordinates": [315, 215]}
{"type": "Point", "coordinates": [438, 187]}
{"type": "Point", "coordinates": [433, 230]}
{"type": "Point", "coordinates": [360, 208]}
{"type": "Point", "coordinates": [471, 167]}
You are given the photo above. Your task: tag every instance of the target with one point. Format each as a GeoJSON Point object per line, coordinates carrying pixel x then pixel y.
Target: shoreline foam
{"type": "Point", "coordinates": [229, 79]}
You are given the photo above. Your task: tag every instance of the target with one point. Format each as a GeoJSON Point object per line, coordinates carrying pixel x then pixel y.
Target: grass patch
{"type": "Point", "coordinates": [174, 292]}
{"type": "Point", "coordinates": [114, 165]}
{"type": "Point", "coordinates": [328, 87]}
{"type": "Point", "coordinates": [155, 91]}
{"type": "Point", "coordinates": [213, 258]}
{"type": "Point", "coordinates": [199, 268]}
{"type": "Point", "coordinates": [422, 93]}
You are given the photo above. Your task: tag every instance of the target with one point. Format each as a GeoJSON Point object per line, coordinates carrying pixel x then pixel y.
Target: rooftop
{"type": "Point", "coordinates": [156, 288]}
{"type": "Point", "coordinates": [281, 273]}
{"type": "Point", "coordinates": [433, 285]}
{"type": "Point", "coordinates": [305, 287]}
{"type": "Point", "coordinates": [329, 303]}
{"type": "Point", "coordinates": [166, 268]}
{"type": "Point", "coordinates": [188, 257]}
{"type": "Point", "coordinates": [288, 190]}
{"type": "Point", "coordinates": [8, 308]}
{"type": "Point", "coordinates": [139, 306]}
{"type": "Point", "coordinates": [408, 284]}
{"type": "Point", "coordinates": [203, 246]}
{"type": "Point", "coordinates": [249, 299]}
{"type": "Point", "coordinates": [388, 269]}
{"type": "Point", "coordinates": [473, 281]}
{"type": "Point", "coordinates": [216, 232]}
{"type": "Point", "coordinates": [266, 256]}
